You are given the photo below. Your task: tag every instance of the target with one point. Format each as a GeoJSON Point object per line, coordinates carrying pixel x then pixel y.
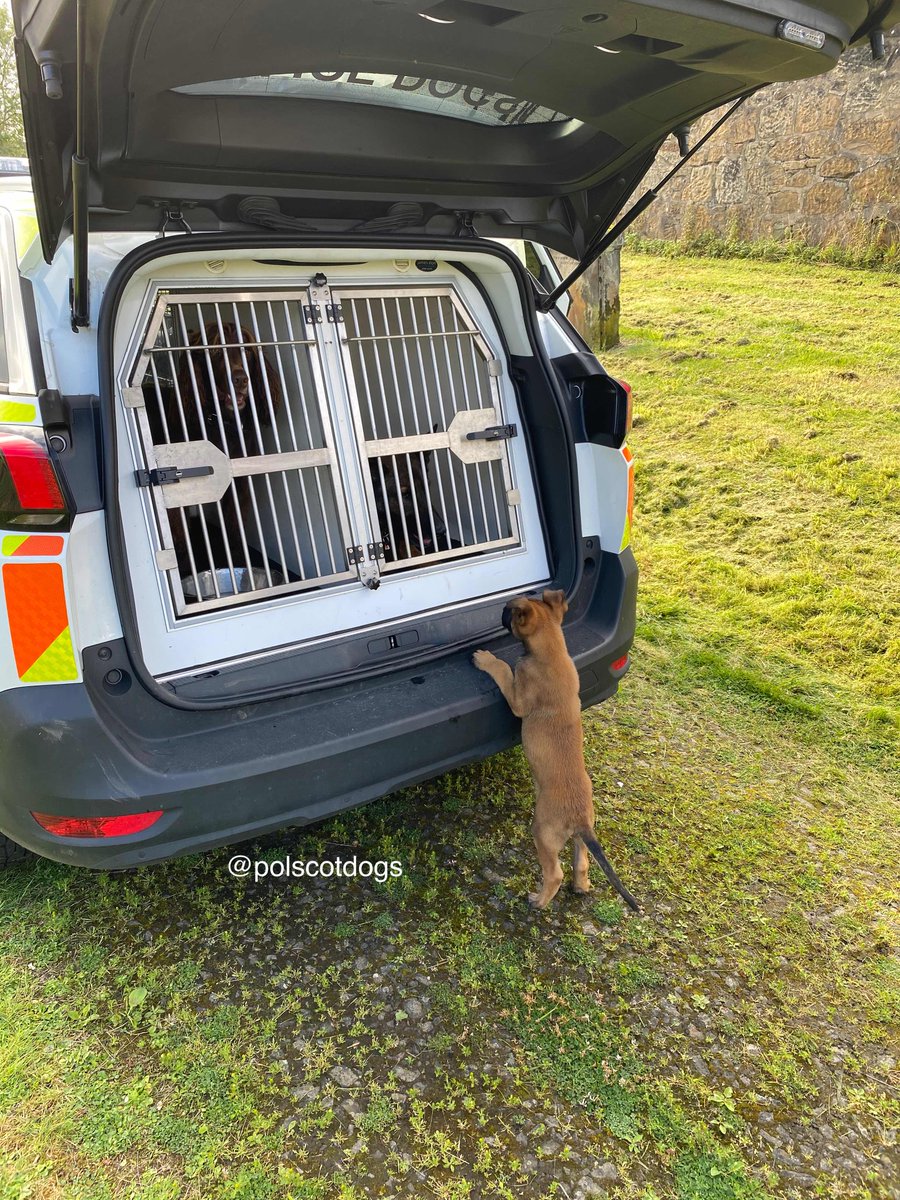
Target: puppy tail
{"type": "Point", "coordinates": [596, 849]}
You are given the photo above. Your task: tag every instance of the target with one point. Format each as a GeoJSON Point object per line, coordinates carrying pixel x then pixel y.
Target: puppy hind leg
{"type": "Point", "coordinates": [581, 882]}
{"type": "Point", "coordinates": [548, 848]}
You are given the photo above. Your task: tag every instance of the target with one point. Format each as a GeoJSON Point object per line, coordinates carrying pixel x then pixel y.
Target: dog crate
{"type": "Point", "coordinates": [297, 439]}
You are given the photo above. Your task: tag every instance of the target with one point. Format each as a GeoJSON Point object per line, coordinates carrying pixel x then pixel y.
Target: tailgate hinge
{"type": "Point", "coordinates": [494, 433]}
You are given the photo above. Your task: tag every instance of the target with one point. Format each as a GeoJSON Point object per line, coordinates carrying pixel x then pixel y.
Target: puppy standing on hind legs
{"type": "Point", "coordinates": [543, 691]}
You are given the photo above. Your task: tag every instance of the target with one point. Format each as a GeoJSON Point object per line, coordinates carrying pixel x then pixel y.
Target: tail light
{"type": "Point", "coordinates": [628, 404]}
{"type": "Point", "coordinates": [599, 405]}
{"type": "Point", "coordinates": [30, 493]}
{"type": "Point", "coordinates": [97, 827]}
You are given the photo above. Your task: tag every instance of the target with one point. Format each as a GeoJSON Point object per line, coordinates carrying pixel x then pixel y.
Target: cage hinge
{"type": "Point", "coordinates": [355, 555]}
{"type": "Point", "coordinates": [167, 560]}
{"type": "Point", "coordinates": [161, 475]}
{"type": "Point", "coordinates": [133, 397]}
{"type": "Point", "coordinates": [494, 433]}
{"type": "Point", "coordinates": [334, 313]}
{"type": "Point", "coordinates": [376, 551]}
{"type": "Point", "coordinates": [312, 314]}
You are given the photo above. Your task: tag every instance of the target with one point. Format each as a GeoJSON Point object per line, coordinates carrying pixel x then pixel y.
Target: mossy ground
{"type": "Point", "coordinates": [178, 1034]}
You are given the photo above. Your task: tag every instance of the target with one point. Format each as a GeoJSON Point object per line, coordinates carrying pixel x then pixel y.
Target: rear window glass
{"type": "Point", "coordinates": [467, 102]}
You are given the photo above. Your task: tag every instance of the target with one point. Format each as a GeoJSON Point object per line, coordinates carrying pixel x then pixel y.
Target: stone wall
{"type": "Point", "coordinates": [818, 159]}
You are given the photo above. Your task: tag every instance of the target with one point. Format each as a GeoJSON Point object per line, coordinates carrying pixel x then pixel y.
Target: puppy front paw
{"type": "Point", "coordinates": [483, 660]}
{"type": "Point", "coordinates": [534, 901]}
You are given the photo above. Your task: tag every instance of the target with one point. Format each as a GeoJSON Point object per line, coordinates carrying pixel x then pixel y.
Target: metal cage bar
{"type": "Point", "coordinates": [260, 497]}
{"type": "Point", "coordinates": [417, 359]}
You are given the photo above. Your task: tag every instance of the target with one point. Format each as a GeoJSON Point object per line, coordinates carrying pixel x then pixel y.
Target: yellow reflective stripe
{"type": "Point", "coordinates": [11, 543]}
{"type": "Point", "coordinates": [56, 664]}
{"type": "Point", "coordinates": [15, 410]}
{"type": "Point", "coordinates": [26, 227]}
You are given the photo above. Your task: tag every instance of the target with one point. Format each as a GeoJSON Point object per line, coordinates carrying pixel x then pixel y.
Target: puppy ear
{"type": "Point", "coordinates": [556, 602]}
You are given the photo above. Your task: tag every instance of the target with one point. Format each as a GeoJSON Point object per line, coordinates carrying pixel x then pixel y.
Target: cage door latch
{"type": "Point", "coordinates": [494, 433]}
{"type": "Point", "coordinates": [160, 475]}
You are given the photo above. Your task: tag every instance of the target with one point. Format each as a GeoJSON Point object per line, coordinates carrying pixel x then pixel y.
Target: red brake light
{"type": "Point", "coordinates": [97, 827]}
{"type": "Point", "coordinates": [30, 495]}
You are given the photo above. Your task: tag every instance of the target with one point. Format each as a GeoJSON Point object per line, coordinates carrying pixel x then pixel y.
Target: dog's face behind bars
{"type": "Point", "coordinates": [228, 394]}
{"type": "Point", "coordinates": [227, 384]}
{"type": "Point", "coordinates": [403, 495]}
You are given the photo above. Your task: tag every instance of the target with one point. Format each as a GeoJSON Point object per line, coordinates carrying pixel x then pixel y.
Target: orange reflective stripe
{"type": "Point", "coordinates": [39, 621]}
{"type": "Point", "coordinates": [629, 503]}
{"type": "Point", "coordinates": [35, 545]}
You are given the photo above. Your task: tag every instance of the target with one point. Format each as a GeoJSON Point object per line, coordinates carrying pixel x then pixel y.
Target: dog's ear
{"type": "Point", "coordinates": [258, 363]}
{"type": "Point", "coordinates": [556, 602]}
{"type": "Point", "coordinates": [212, 337]}
{"type": "Point", "coordinates": [190, 369]}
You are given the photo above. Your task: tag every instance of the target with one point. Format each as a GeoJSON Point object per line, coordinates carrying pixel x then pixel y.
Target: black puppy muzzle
{"type": "Point", "coordinates": [507, 619]}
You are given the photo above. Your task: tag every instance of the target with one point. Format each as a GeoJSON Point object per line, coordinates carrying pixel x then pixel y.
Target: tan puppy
{"type": "Point", "coordinates": [544, 693]}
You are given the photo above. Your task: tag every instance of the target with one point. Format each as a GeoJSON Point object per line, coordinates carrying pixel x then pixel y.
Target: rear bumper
{"type": "Point", "coordinates": [228, 775]}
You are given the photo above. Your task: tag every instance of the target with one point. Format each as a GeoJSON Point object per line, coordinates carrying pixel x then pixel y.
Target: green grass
{"type": "Point", "coordinates": [172, 1034]}
{"type": "Point", "coordinates": [860, 246]}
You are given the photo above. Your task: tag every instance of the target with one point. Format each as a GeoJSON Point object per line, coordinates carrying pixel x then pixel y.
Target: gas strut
{"type": "Point", "coordinates": [79, 287]}
{"type": "Point", "coordinates": [598, 244]}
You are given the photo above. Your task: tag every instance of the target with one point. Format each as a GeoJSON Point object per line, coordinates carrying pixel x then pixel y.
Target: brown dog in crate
{"type": "Point", "coordinates": [226, 392]}
{"type": "Point", "coordinates": [410, 524]}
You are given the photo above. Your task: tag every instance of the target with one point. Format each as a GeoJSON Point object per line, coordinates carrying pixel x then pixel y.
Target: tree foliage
{"type": "Point", "coordinates": [12, 136]}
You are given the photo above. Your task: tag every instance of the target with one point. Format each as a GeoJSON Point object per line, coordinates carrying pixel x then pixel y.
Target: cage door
{"type": "Point", "coordinates": [240, 455]}
{"type": "Point", "coordinates": [425, 385]}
